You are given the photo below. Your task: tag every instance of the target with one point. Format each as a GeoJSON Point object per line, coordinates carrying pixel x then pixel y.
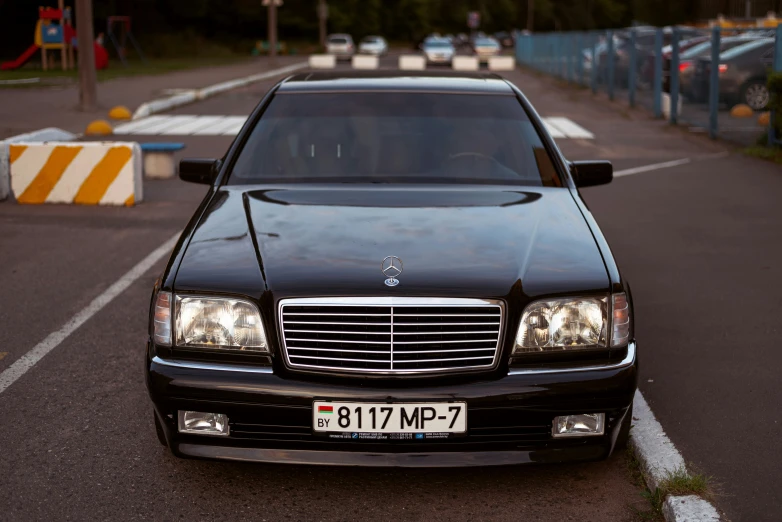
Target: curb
{"type": "Point", "coordinates": [185, 98]}
{"type": "Point", "coordinates": [659, 458]}
{"type": "Point", "coordinates": [48, 134]}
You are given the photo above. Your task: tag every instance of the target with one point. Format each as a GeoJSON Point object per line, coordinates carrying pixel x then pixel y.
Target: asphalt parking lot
{"type": "Point", "coordinates": [699, 243]}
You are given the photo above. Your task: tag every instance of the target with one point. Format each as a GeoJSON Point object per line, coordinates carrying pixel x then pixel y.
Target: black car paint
{"type": "Point", "coordinates": [243, 241]}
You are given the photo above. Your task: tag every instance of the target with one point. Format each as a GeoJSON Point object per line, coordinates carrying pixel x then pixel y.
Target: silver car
{"type": "Point", "coordinates": [375, 45]}
{"type": "Point", "coordinates": [438, 50]}
{"type": "Point", "coordinates": [486, 47]}
{"type": "Point", "coordinates": [341, 46]}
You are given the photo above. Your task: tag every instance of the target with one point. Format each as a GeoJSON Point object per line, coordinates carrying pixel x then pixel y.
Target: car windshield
{"type": "Point", "coordinates": [485, 42]}
{"type": "Point", "coordinates": [338, 40]}
{"type": "Point", "coordinates": [394, 137]}
{"type": "Point", "coordinates": [741, 49]}
{"type": "Point", "coordinates": [437, 44]}
{"type": "Point", "coordinates": [703, 49]}
{"type": "Point", "coordinates": [371, 40]}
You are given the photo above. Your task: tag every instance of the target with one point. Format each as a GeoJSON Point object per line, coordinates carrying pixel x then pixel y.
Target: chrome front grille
{"type": "Point", "coordinates": [391, 335]}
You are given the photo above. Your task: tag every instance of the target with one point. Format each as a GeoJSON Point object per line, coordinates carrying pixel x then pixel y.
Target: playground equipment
{"type": "Point", "coordinates": [120, 38]}
{"type": "Point", "coordinates": [53, 31]}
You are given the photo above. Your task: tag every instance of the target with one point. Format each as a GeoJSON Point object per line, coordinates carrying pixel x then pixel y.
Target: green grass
{"type": "Point", "coordinates": [56, 76]}
{"type": "Point", "coordinates": [679, 482]}
{"type": "Point", "coordinates": [766, 153]}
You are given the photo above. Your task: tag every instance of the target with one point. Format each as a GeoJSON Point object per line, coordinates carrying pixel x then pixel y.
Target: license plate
{"type": "Point", "coordinates": [400, 420]}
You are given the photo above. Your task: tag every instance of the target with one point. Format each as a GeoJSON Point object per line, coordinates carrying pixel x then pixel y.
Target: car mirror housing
{"type": "Point", "coordinates": [591, 173]}
{"type": "Point", "coordinates": [199, 170]}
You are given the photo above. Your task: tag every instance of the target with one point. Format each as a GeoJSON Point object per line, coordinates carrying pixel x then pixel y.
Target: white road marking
{"type": "Point", "coordinates": [569, 128]}
{"type": "Point", "coordinates": [668, 164]}
{"type": "Point", "coordinates": [555, 132]}
{"type": "Point", "coordinates": [225, 123]}
{"type": "Point", "coordinates": [653, 166]}
{"type": "Point", "coordinates": [215, 125]}
{"type": "Point", "coordinates": [53, 340]}
{"type": "Point", "coordinates": [137, 126]}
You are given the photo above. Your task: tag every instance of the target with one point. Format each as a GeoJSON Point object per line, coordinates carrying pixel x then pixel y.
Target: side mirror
{"type": "Point", "coordinates": [199, 170]}
{"type": "Point", "coordinates": [590, 173]}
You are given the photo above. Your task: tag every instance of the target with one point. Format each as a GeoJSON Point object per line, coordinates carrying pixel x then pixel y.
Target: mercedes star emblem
{"type": "Point", "coordinates": [391, 268]}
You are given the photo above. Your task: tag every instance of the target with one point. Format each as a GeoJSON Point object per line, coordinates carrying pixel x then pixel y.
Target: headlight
{"type": "Point", "coordinates": [219, 323]}
{"type": "Point", "coordinates": [567, 324]}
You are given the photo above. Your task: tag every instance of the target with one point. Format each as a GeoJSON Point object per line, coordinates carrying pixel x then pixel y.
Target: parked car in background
{"type": "Point", "coordinates": [375, 45]}
{"type": "Point", "coordinates": [687, 60]}
{"type": "Point", "coordinates": [485, 47]}
{"type": "Point", "coordinates": [505, 39]}
{"type": "Point", "coordinates": [341, 46]}
{"type": "Point", "coordinates": [743, 72]}
{"type": "Point", "coordinates": [438, 50]}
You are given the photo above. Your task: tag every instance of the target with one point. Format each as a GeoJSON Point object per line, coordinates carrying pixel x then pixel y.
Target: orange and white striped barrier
{"type": "Point", "coordinates": [82, 173]}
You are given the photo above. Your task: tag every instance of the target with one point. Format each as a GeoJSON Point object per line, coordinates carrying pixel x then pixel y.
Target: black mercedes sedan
{"type": "Point", "coordinates": [392, 269]}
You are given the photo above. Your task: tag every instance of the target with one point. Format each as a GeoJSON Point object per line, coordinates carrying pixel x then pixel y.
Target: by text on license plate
{"type": "Point", "coordinates": [379, 421]}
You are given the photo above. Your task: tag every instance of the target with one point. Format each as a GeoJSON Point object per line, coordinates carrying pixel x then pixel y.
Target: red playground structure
{"type": "Point", "coordinates": [54, 31]}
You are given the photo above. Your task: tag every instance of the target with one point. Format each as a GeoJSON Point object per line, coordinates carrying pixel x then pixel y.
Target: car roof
{"type": "Point", "coordinates": [409, 81]}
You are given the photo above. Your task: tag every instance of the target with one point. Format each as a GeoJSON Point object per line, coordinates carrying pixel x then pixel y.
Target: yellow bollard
{"type": "Point", "coordinates": [99, 128]}
{"type": "Point", "coordinates": [120, 113]}
{"type": "Point", "coordinates": [742, 111]}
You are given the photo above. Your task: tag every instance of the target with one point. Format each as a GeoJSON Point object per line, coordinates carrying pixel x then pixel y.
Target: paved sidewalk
{"type": "Point", "coordinates": [25, 110]}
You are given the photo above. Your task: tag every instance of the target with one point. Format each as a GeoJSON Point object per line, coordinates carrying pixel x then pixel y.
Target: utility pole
{"type": "Point", "coordinates": [530, 15]}
{"type": "Point", "coordinates": [273, 30]}
{"type": "Point", "coordinates": [323, 15]}
{"type": "Point", "coordinates": [86, 38]}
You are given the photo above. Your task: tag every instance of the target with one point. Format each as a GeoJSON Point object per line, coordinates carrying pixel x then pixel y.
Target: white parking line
{"type": "Point", "coordinates": [54, 339]}
{"type": "Point", "coordinates": [215, 125]}
{"type": "Point", "coordinates": [570, 128]}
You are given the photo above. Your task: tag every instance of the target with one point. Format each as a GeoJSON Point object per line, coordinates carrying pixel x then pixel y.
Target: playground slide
{"type": "Point", "coordinates": [15, 64]}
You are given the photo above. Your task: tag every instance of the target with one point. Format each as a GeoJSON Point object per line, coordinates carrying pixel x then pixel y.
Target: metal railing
{"type": "Point", "coordinates": [669, 72]}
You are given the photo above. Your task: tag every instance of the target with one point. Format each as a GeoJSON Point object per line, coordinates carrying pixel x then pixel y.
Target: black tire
{"type": "Point", "coordinates": [161, 435]}
{"type": "Point", "coordinates": [755, 93]}
{"type": "Point", "coordinates": [624, 430]}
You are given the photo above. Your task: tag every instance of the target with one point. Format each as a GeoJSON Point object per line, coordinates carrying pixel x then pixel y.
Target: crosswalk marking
{"type": "Point", "coordinates": [569, 128]}
{"type": "Point", "coordinates": [191, 125]}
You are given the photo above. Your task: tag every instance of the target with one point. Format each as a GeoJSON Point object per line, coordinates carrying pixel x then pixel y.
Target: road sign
{"type": "Point", "coordinates": [473, 19]}
{"type": "Point", "coordinates": [266, 3]}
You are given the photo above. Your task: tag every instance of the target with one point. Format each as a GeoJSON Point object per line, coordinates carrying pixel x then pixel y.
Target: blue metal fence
{"type": "Point", "coordinates": [669, 71]}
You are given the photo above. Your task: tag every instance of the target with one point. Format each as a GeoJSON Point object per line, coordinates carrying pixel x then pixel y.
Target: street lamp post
{"type": "Point", "coordinates": [273, 29]}
{"type": "Point", "coordinates": [87, 75]}
{"type": "Point", "coordinates": [323, 15]}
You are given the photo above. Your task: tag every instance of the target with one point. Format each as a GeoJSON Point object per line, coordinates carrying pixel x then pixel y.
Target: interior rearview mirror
{"type": "Point", "coordinates": [591, 173]}
{"type": "Point", "coordinates": [199, 170]}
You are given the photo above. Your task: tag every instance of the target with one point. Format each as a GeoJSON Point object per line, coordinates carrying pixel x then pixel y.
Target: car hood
{"type": "Point", "coordinates": [327, 240]}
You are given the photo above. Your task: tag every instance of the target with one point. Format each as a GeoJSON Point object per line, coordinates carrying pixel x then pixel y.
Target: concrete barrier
{"type": "Point", "coordinates": [465, 63]}
{"type": "Point", "coordinates": [666, 105]}
{"type": "Point", "coordinates": [323, 61]}
{"type": "Point", "coordinates": [412, 62]}
{"type": "Point", "coordinates": [502, 63]}
{"type": "Point", "coordinates": [365, 61]}
{"type": "Point", "coordinates": [101, 173]}
{"type": "Point", "coordinates": [48, 134]}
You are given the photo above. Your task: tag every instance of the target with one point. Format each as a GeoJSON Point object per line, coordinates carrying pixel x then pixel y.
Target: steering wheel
{"type": "Point", "coordinates": [474, 155]}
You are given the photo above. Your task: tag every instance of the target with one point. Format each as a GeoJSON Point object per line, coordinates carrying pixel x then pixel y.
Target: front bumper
{"type": "Point", "coordinates": [510, 416]}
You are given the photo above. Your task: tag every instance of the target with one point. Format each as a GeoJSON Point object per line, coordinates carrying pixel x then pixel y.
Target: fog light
{"type": "Point", "coordinates": [203, 423]}
{"type": "Point", "coordinates": [583, 425]}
